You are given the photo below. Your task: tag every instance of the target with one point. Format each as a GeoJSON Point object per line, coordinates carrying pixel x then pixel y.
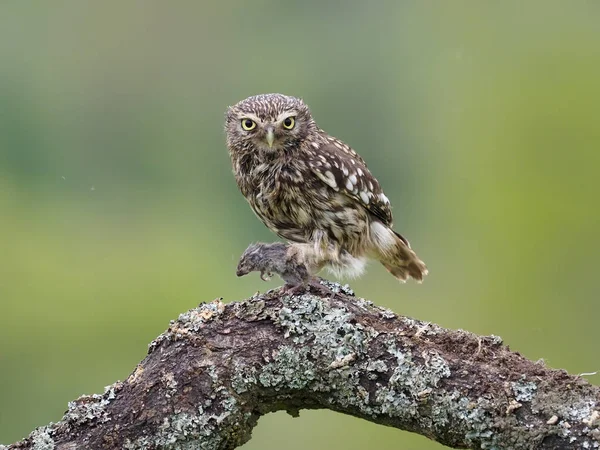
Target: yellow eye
{"type": "Point", "coordinates": [289, 123]}
{"type": "Point", "coordinates": [248, 124]}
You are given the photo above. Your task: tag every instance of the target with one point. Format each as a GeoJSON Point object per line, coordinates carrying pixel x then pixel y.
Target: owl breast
{"type": "Point", "coordinates": [299, 207]}
{"type": "Point", "coordinates": [278, 200]}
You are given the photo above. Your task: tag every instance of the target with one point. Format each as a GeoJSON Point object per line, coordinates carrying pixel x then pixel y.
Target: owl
{"type": "Point", "coordinates": [313, 190]}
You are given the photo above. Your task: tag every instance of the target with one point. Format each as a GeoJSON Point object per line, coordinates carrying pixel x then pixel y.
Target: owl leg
{"type": "Point", "coordinates": [309, 255]}
{"type": "Point", "coordinates": [337, 261]}
{"type": "Point", "coordinates": [347, 266]}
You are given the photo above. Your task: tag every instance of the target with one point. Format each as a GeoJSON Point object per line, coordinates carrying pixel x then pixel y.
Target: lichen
{"type": "Point", "coordinates": [335, 338]}
{"type": "Point", "coordinates": [376, 366]}
{"type": "Point", "coordinates": [452, 411]}
{"type": "Point", "coordinates": [524, 390]}
{"type": "Point", "coordinates": [170, 383]}
{"type": "Point", "coordinates": [91, 407]}
{"type": "Point", "coordinates": [303, 317]}
{"type": "Point", "coordinates": [290, 368]}
{"type": "Point", "coordinates": [207, 426]}
{"type": "Point", "coordinates": [188, 322]}
{"type": "Point", "coordinates": [581, 411]}
{"type": "Point", "coordinates": [478, 422]}
{"type": "Point", "coordinates": [387, 313]}
{"type": "Point", "coordinates": [42, 439]}
{"type": "Point", "coordinates": [243, 376]}
{"type": "Point", "coordinates": [251, 309]}
{"type": "Point", "coordinates": [393, 403]}
{"type": "Point", "coordinates": [195, 318]}
{"type": "Point", "coordinates": [337, 288]}
{"type": "Point", "coordinates": [495, 340]}
{"type": "Point", "coordinates": [570, 408]}
{"type": "Point", "coordinates": [166, 336]}
{"type": "Point", "coordinates": [413, 377]}
{"type": "Point", "coordinates": [443, 409]}
{"type": "Point", "coordinates": [187, 430]}
{"type": "Point", "coordinates": [410, 383]}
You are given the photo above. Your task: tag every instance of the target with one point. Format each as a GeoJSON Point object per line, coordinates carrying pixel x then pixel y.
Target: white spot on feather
{"type": "Point", "coordinates": [328, 178]}
{"type": "Point", "coordinates": [353, 179]}
{"type": "Point", "coordinates": [364, 197]}
{"type": "Point", "coordinates": [349, 185]}
{"type": "Point", "coordinates": [383, 236]}
{"type": "Point", "coordinates": [384, 199]}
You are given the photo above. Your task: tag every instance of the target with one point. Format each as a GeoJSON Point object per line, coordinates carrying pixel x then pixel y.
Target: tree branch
{"type": "Point", "coordinates": [218, 368]}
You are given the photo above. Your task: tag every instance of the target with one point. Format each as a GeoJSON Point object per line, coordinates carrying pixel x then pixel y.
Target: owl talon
{"type": "Point", "coordinates": [292, 289]}
{"type": "Point", "coordinates": [321, 289]}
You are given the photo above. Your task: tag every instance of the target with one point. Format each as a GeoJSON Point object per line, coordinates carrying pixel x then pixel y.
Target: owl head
{"type": "Point", "coordinates": [268, 123]}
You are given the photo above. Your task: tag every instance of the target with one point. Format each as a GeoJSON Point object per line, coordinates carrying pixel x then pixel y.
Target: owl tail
{"type": "Point", "coordinates": [394, 252]}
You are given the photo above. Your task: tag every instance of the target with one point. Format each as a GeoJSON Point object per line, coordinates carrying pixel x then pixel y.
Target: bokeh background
{"type": "Point", "coordinates": [118, 209]}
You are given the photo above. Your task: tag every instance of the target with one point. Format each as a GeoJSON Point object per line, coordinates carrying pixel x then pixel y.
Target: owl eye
{"type": "Point", "coordinates": [289, 123]}
{"type": "Point", "coordinates": [248, 124]}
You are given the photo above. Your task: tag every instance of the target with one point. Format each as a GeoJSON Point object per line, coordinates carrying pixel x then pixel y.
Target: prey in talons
{"type": "Point", "coordinates": [285, 260]}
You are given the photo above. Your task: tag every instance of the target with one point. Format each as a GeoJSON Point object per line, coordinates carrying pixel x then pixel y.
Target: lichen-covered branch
{"type": "Point", "coordinates": [207, 380]}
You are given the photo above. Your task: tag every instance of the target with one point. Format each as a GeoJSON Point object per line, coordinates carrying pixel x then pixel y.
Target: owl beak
{"type": "Point", "coordinates": [270, 137]}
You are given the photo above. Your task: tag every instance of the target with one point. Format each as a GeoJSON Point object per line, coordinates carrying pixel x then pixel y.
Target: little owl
{"type": "Point", "coordinates": [313, 190]}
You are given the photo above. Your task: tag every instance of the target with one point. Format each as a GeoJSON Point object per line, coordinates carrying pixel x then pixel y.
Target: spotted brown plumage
{"type": "Point", "coordinates": [312, 189]}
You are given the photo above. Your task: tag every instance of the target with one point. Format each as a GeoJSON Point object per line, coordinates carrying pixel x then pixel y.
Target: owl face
{"type": "Point", "coordinates": [268, 123]}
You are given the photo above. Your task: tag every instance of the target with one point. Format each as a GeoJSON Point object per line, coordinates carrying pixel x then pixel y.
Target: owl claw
{"type": "Point", "coordinates": [313, 285]}
{"type": "Point", "coordinates": [321, 289]}
{"type": "Point", "coordinates": [292, 289]}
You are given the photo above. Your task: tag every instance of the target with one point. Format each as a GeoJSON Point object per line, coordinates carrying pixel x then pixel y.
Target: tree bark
{"type": "Point", "coordinates": [218, 368]}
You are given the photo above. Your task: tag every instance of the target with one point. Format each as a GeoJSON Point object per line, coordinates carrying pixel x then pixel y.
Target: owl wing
{"type": "Point", "coordinates": [342, 169]}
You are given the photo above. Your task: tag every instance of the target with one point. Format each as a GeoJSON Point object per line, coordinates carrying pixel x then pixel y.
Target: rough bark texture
{"type": "Point", "coordinates": [207, 380]}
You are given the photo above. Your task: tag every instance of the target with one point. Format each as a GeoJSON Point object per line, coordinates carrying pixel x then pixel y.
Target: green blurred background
{"type": "Point", "coordinates": [118, 209]}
